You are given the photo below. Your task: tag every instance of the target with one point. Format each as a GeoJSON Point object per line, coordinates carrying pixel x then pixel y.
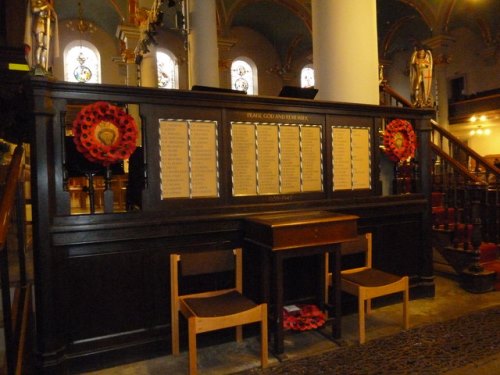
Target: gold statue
{"type": "Point", "coordinates": [41, 28]}
{"type": "Point", "coordinates": [421, 77]}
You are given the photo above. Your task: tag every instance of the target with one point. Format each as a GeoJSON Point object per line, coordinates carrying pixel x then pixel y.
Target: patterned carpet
{"type": "Point", "coordinates": [431, 349]}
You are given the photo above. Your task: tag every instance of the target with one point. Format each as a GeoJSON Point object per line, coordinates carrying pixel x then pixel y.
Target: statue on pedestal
{"type": "Point", "coordinates": [40, 30]}
{"type": "Point", "coordinates": [421, 77]}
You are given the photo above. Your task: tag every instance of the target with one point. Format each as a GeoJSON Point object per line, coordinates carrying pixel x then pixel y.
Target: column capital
{"type": "Point", "coordinates": [225, 44]}
{"type": "Point", "coordinates": [128, 31]}
{"type": "Point", "coordinates": [440, 41]}
{"type": "Point", "coordinates": [440, 45]}
{"type": "Point", "coordinates": [225, 64]}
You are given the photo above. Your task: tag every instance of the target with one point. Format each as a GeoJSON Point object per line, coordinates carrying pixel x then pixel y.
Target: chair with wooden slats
{"type": "Point", "coordinates": [367, 282]}
{"type": "Point", "coordinates": [213, 310]}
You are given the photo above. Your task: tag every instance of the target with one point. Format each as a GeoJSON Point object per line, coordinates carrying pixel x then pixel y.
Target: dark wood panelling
{"type": "Point", "coordinates": [102, 281]}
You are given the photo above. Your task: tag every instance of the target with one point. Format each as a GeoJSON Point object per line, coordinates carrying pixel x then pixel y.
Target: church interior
{"type": "Point", "coordinates": [136, 131]}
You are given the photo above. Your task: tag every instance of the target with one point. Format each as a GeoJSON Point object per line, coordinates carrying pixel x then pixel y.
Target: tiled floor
{"type": "Point", "coordinates": [450, 302]}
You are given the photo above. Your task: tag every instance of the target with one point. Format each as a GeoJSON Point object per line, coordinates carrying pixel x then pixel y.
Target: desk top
{"type": "Point", "coordinates": [299, 218]}
{"type": "Point", "coordinates": [283, 231]}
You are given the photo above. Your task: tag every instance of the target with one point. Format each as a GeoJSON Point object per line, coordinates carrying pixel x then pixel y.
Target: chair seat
{"type": "Point", "coordinates": [221, 305]}
{"type": "Point", "coordinates": [371, 278]}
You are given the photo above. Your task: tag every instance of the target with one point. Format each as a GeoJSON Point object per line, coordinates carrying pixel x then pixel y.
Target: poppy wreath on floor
{"type": "Point", "coordinates": [308, 317]}
{"type": "Point", "coordinates": [400, 141]}
{"type": "Point", "coordinates": [104, 133]}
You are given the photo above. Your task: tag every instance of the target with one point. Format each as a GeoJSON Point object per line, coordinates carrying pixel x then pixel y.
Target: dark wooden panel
{"type": "Point", "coordinates": [102, 281]}
{"type": "Point", "coordinates": [106, 294]}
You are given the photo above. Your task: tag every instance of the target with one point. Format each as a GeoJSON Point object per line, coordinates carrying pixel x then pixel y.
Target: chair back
{"type": "Point", "coordinates": [362, 244]}
{"type": "Point", "coordinates": [200, 263]}
{"type": "Point", "coordinates": [204, 263]}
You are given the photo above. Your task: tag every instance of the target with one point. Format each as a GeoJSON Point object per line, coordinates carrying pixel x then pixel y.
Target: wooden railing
{"type": "Point", "coordinates": [390, 97]}
{"type": "Point", "coordinates": [16, 311]}
{"type": "Point", "coordinates": [466, 156]}
{"type": "Point", "coordinates": [458, 170]}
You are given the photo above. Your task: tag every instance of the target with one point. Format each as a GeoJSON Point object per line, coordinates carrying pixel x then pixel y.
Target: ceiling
{"type": "Point", "coordinates": [287, 23]}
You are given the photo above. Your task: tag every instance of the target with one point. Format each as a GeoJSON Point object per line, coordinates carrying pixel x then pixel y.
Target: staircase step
{"type": "Point", "coordinates": [456, 258]}
{"type": "Point", "coordinates": [494, 265]}
{"type": "Point", "coordinates": [489, 252]}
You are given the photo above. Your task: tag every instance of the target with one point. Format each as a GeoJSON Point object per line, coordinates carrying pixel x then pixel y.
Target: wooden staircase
{"type": "Point", "coordinates": [466, 213]}
{"type": "Point", "coordinates": [465, 207]}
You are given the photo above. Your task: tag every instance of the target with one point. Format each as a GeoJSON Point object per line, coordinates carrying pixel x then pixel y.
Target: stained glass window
{"type": "Point", "coordinates": [167, 70]}
{"type": "Point", "coordinates": [82, 62]}
{"type": "Point", "coordinates": [307, 76]}
{"type": "Point", "coordinates": [244, 76]}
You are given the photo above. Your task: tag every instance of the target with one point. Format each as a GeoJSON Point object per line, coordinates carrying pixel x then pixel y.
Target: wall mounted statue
{"type": "Point", "coordinates": [421, 77]}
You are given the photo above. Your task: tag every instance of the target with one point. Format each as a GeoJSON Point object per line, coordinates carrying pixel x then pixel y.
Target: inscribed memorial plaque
{"type": "Point", "coordinates": [188, 159]}
{"type": "Point", "coordinates": [289, 153]}
{"type": "Point", "coordinates": [312, 168]}
{"type": "Point", "coordinates": [360, 155]}
{"type": "Point", "coordinates": [243, 159]}
{"type": "Point", "coordinates": [203, 157]}
{"type": "Point", "coordinates": [351, 158]}
{"type": "Point", "coordinates": [341, 158]}
{"type": "Point", "coordinates": [174, 159]}
{"type": "Point", "coordinates": [267, 159]}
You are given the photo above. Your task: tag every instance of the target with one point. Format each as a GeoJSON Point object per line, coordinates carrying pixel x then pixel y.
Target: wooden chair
{"type": "Point", "coordinates": [367, 283]}
{"type": "Point", "coordinates": [213, 310]}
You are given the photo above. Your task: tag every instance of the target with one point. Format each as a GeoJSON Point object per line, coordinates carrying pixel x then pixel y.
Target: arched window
{"type": "Point", "coordinates": [82, 62]}
{"type": "Point", "coordinates": [307, 76]}
{"type": "Point", "coordinates": [244, 75]}
{"type": "Point", "coordinates": [168, 70]}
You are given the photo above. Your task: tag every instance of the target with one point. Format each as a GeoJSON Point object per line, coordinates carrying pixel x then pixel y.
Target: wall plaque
{"type": "Point", "coordinates": [279, 158]}
{"type": "Point", "coordinates": [243, 159]}
{"type": "Point", "coordinates": [188, 159]}
{"type": "Point", "coordinates": [289, 153]}
{"type": "Point", "coordinates": [351, 158]}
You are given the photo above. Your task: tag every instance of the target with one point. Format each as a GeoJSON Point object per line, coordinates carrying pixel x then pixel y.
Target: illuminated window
{"type": "Point", "coordinates": [244, 75]}
{"type": "Point", "coordinates": [82, 62]}
{"type": "Point", "coordinates": [168, 70]}
{"type": "Point", "coordinates": [307, 76]}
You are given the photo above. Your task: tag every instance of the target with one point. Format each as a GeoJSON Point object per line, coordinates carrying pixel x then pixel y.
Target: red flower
{"type": "Point", "coordinates": [400, 141]}
{"type": "Point", "coordinates": [104, 133]}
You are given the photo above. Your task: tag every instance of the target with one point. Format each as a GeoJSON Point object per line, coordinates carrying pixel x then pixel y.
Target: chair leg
{"type": "Point", "coordinates": [264, 357]}
{"type": "Point", "coordinates": [175, 332]}
{"type": "Point", "coordinates": [361, 318]}
{"type": "Point", "coordinates": [406, 310]}
{"type": "Point", "coordinates": [192, 347]}
{"type": "Point", "coordinates": [368, 306]}
{"type": "Point", "coordinates": [239, 333]}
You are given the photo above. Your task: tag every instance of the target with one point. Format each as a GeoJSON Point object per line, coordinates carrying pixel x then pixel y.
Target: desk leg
{"type": "Point", "coordinates": [278, 307]}
{"type": "Point", "coordinates": [337, 304]}
{"type": "Point", "coordinates": [320, 295]}
{"type": "Point", "coordinates": [265, 286]}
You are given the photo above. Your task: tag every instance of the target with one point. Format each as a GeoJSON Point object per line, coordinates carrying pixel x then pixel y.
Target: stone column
{"type": "Point", "coordinates": [149, 69]}
{"type": "Point", "coordinates": [129, 36]}
{"type": "Point", "coordinates": [203, 54]}
{"type": "Point", "coordinates": [345, 51]}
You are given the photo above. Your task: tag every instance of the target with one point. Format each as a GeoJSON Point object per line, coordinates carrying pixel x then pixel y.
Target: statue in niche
{"type": "Point", "coordinates": [40, 30]}
{"type": "Point", "coordinates": [421, 77]}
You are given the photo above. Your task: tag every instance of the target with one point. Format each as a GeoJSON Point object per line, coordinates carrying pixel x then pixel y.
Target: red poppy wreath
{"type": "Point", "coordinates": [400, 141]}
{"type": "Point", "coordinates": [104, 133]}
{"type": "Point", "coordinates": [308, 317]}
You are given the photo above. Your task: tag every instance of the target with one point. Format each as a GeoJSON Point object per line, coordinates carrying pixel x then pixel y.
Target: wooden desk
{"type": "Point", "coordinates": [276, 237]}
